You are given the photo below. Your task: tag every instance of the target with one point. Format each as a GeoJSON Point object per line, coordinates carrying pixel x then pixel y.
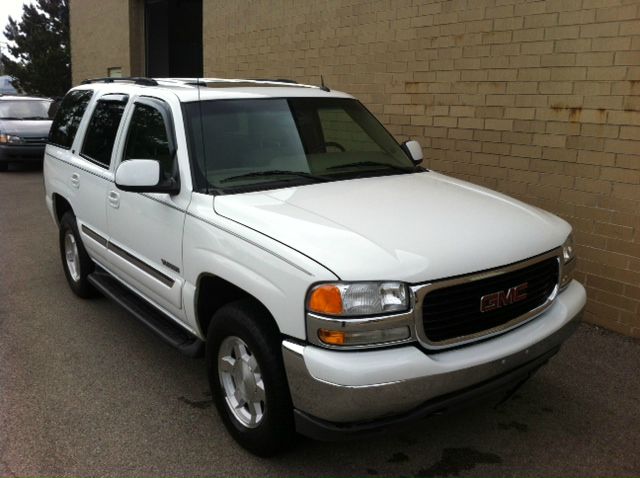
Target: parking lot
{"type": "Point", "coordinates": [86, 390]}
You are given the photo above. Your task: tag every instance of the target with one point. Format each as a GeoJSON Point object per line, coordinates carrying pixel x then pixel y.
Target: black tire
{"type": "Point", "coordinates": [4, 167]}
{"type": "Point", "coordinates": [79, 284]}
{"type": "Point", "coordinates": [250, 322]}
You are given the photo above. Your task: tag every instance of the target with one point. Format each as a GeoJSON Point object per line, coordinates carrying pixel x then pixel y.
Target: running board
{"type": "Point", "coordinates": [146, 313]}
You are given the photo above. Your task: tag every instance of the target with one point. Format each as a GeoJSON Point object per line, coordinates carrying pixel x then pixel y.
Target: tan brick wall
{"type": "Point", "coordinates": [106, 34]}
{"type": "Point", "coordinates": [538, 99]}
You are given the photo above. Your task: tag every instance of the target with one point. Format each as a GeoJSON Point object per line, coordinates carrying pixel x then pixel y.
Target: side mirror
{"type": "Point", "coordinates": [413, 150]}
{"type": "Point", "coordinates": [143, 176]}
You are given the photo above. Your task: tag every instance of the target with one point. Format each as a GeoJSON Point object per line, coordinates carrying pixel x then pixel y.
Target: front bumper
{"type": "Point", "coordinates": [21, 153]}
{"type": "Point", "coordinates": [356, 390]}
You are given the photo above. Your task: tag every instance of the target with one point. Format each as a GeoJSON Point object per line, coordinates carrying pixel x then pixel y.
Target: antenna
{"type": "Point", "coordinates": [322, 85]}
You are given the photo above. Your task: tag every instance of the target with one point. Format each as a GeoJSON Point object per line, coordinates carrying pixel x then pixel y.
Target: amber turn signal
{"type": "Point", "coordinates": [326, 299]}
{"type": "Point", "coordinates": [331, 337]}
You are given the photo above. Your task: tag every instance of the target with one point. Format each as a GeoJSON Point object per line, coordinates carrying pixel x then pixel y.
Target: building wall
{"type": "Point", "coordinates": [538, 99]}
{"type": "Point", "coordinates": [106, 34]}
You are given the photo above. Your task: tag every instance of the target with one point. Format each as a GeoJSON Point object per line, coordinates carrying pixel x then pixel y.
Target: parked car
{"type": "Point", "coordinates": [24, 128]}
{"type": "Point", "coordinates": [6, 86]}
{"type": "Point", "coordinates": [335, 286]}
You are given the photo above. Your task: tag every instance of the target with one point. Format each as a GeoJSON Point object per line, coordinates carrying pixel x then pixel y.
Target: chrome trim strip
{"type": "Point", "coordinates": [95, 236]}
{"type": "Point", "coordinates": [420, 291]}
{"type": "Point", "coordinates": [359, 324]}
{"type": "Point", "coordinates": [166, 280]}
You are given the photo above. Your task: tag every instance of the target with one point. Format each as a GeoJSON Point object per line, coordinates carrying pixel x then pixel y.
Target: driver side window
{"type": "Point", "coordinates": [147, 139]}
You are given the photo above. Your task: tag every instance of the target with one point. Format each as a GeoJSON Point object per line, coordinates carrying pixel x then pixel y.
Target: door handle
{"type": "Point", "coordinates": [114, 199]}
{"type": "Point", "coordinates": [75, 180]}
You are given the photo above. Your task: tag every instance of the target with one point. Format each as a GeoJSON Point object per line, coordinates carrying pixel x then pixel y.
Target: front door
{"type": "Point", "coordinates": [145, 229]}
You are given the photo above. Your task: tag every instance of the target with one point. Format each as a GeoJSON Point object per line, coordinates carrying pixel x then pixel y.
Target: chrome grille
{"type": "Point", "coordinates": [451, 312]}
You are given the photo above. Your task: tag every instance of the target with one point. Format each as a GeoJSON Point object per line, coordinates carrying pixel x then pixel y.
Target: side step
{"type": "Point", "coordinates": [157, 321]}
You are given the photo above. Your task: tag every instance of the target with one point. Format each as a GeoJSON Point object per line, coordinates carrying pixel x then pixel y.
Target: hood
{"type": "Point", "coordinates": [26, 128]}
{"type": "Point", "coordinates": [411, 227]}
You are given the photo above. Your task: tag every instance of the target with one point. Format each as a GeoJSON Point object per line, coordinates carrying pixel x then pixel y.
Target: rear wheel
{"type": "Point", "coordinates": [76, 262]}
{"type": "Point", "coordinates": [4, 167]}
{"type": "Point", "coordinates": [247, 378]}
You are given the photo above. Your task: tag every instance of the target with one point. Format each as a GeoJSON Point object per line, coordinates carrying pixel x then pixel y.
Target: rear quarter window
{"type": "Point", "coordinates": [68, 117]}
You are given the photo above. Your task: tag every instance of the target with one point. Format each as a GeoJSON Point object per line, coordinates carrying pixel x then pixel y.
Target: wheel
{"type": "Point", "coordinates": [247, 378]}
{"type": "Point", "coordinates": [4, 167]}
{"type": "Point", "coordinates": [76, 262]}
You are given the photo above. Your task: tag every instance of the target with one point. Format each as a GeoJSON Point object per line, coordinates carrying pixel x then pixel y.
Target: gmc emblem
{"type": "Point", "coordinates": [499, 299]}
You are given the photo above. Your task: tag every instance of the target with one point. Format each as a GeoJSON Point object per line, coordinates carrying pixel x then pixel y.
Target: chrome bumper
{"type": "Point", "coordinates": [350, 387]}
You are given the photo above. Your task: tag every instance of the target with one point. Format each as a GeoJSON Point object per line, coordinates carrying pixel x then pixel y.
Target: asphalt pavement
{"type": "Point", "coordinates": [87, 390]}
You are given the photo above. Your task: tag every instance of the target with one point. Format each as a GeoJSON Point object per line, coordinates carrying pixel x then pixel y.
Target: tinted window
{"type": "Point", "coordinates": [65, 125]}
{"type": "Point", "coordinates": [147, 139]}
{"type": "Point", "coordinates": [102, 130]}
{"type": "Point", "coordinates": [244, 144]}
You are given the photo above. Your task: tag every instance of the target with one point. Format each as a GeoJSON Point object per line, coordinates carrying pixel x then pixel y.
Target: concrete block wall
{"type": "Point", "coordinates": [538, 99]}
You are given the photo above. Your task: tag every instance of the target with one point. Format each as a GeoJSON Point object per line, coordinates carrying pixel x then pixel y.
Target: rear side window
{"type": "Point", "coordinates": [102, 130]}
{"type": "Point", "coordinates": [65, 125]}
{"type": "Point", "coordinates": [147, 139]}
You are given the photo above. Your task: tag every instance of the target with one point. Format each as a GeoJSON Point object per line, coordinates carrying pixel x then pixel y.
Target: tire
{"type": "Point", "coordinates": [76, 263]}
{"type": "Point", "coordinates": [4, 167]}
{"type": "Point", "coordinates": [265, 425]}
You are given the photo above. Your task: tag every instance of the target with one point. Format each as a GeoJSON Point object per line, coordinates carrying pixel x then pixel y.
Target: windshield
{"type": "Point", "coordinates": [241, 145]}
{"type": "Point", "coordinates": [25, 109]}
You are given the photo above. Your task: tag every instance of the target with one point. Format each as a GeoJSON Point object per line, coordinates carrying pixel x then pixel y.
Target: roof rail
{"type": "Point", "coordinates": [276, 80]}
{"type": "Point", "coordinates": [231, 82]}
{"type": "Point", "coordinates": [132, 79]}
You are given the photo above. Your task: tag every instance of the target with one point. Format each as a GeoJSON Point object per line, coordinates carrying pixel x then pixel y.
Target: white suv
{"type": "Point", "coordinates": [335, 286]}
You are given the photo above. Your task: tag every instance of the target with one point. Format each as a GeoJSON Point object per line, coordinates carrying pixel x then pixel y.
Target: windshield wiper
{"type": "Point", "coordinates": [276, 172]}
{"type": "Point", "coordinates": [376, 164]}
{"type": "Point", "coordinates": [10, 118]}
{"type": "Point", "coordinates": [36, 118]}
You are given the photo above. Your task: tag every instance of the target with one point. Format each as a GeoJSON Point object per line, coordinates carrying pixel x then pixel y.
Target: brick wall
{"type": "Point", "coordinates": [106, 34]}
{"type": "Point", "coordinates": [538, 99]}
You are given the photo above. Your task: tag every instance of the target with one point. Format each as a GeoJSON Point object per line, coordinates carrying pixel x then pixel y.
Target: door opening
{"type": "Point", "coordinates": [173, 38]}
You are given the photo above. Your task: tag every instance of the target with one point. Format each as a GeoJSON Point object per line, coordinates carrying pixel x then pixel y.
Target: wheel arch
{"type": "Point", "coordinates": [214, 292]}
{"type": "Point", "coordinates": [60, 206]}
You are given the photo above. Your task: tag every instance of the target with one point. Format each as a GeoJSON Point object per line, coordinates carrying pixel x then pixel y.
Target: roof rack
{"type": "Point", "coordinates": [231, 82]}
{"type": "Point", "coordinates": [276, 80]}
{"type": "Point", "coordinates": [131, 79]}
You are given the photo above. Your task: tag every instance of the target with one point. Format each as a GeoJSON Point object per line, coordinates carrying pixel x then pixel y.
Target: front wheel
{"type": "Point", "coordinates": [247, 378]}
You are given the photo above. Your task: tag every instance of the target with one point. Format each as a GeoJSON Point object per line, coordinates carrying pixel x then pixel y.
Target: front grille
{"type": "Point", "coordinates": [452, 314]}
{"type": "Point", "coordinates": [35, 141]}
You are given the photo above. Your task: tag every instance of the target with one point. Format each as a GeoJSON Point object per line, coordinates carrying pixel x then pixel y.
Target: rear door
{"type": "Point", "coordinates": [145, 229]}
{"type": "Point", "coordinates": [93, 175]}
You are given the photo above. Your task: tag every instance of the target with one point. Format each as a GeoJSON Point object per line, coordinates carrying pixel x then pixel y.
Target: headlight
{"type": "Point", "coordinates": [568, 262]}
{"type": "Point", "coordinates": [359, 314]}
{"type": "Point", "coordinates": [10, 139]}
{"type": "Point", "coordinates": [568, 252]}
{"type": "Point", "coordinates": [358, 298]}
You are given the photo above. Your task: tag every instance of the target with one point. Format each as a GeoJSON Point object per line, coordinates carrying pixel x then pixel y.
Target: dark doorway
{"type": "Point", "coordinates": [173, 38]}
